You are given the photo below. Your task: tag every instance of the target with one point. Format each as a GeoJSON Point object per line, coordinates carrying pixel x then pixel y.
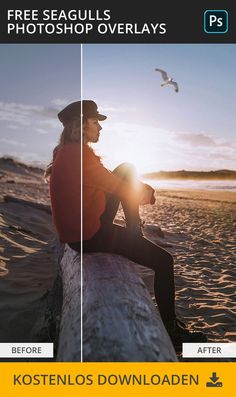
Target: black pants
{"type": "Point", "coordinates": [120, 240]}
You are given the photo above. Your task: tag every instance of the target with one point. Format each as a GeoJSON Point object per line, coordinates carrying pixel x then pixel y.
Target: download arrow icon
{"type": "Point", "coordinates": [214, 378]}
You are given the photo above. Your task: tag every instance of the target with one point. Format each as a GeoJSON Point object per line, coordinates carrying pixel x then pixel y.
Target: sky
{"type": "Point", "coordinates": [150, 126]}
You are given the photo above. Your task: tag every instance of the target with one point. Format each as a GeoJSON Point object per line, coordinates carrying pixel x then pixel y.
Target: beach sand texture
{"type": "Point", "coordinates": [199, 230]}
{"type": "Point", "coordinates": [27, 264]}
{"type": "Point", "coordinates": [200, 227]}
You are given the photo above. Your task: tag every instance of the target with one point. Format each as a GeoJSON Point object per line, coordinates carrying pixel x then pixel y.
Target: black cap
{"type": "Point", "coordinates": [89, 110]}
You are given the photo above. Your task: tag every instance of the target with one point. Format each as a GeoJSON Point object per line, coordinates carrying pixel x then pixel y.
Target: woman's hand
{"type": "Point", "coordinates": [147, 195]}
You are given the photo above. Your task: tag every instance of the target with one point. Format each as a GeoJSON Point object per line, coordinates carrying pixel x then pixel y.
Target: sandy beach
{"type": "Point", "coordinates": [199, 226]}
{"type": "Point", "coordinates": [27, 263]}
{"type": "Point", "coordinates": [198, 229]}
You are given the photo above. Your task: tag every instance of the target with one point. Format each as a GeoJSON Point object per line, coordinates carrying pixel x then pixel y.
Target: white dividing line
{"type": "Point", "coordinates": [81, 204]}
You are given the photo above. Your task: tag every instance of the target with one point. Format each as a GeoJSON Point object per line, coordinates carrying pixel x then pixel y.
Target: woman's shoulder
{"type": "Point", "coordinates": [88, 150]}
{"type": "Point", "coordinates": [69, 148]}
{"type": "Point", "coordinates": [89, 153]}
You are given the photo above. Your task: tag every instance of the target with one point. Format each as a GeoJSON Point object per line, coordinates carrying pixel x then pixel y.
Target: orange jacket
{"type": "Point", "coordinates": [65, 192]}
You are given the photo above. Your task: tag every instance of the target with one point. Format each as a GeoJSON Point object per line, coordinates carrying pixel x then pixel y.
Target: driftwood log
{"type": "Point", "coordinates": [119, 319]}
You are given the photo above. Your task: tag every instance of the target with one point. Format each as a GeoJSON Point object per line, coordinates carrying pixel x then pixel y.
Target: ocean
{"type": "Point", "coordinates": [225, 185]}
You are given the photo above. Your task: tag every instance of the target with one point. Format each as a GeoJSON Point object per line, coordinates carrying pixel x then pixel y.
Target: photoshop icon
{"type": "Point", "coordinates": [215, 21]}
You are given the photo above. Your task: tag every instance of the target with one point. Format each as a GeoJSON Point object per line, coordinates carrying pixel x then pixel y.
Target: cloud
{"type": "Point", "coordinates": [195, 139]}
{"type": "Point", "coordinates": [13, 127]}
{"type": "Point", "coordinates": [60, 102]}
{"type": "Point", "coordinates": [23, 126]}
{"type": "Point", "coordinates": [40, 119]}
{"type": "Point", "coordinates": [41, 131]}
{"type": "Point", "coordinates": [24, 114]}
{"type": "Point", "coordinates": [224, 156]}
{"type": "Point", "coordinates": [12, 142]}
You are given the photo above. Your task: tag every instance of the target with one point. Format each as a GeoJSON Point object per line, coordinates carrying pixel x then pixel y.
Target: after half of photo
{"type": "Point", "coordinates": [118, 202]}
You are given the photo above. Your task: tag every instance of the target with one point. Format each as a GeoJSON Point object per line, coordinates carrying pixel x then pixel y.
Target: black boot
{"type": "Point", "coordinates": [179, 333]}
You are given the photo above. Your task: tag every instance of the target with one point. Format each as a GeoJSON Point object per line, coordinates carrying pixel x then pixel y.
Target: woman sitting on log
{"type": "Point", "coordinates": [102, 192]}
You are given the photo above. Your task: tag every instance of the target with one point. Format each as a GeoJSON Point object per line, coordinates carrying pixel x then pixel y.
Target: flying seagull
{"type": "Point", "coordinates": [167, 80]}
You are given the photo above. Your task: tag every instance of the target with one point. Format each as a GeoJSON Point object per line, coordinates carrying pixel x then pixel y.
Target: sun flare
{"type": "Point", "coordinates": [146, 147]}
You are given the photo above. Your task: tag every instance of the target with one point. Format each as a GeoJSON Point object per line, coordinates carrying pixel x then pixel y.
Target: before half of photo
{"type": "Point", "coordinates": [37, 82]}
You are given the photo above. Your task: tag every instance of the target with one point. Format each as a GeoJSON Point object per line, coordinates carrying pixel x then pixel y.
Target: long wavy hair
{"type": "Point", "coordinates": [70, 134]}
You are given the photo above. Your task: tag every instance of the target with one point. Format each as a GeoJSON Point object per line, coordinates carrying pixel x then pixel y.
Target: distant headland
{"type": "Point", "coordinates": [12, 164]}
{"type": "Point", "coordinates": [184, 174]}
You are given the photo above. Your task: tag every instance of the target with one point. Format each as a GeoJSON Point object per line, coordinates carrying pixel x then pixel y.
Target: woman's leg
{"type": "Point", "coordinates": [130, 243]}
{"type": "Point", "coordinates": [126, 172]}
{"type": "Point", "coordinates": [119, 240]}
